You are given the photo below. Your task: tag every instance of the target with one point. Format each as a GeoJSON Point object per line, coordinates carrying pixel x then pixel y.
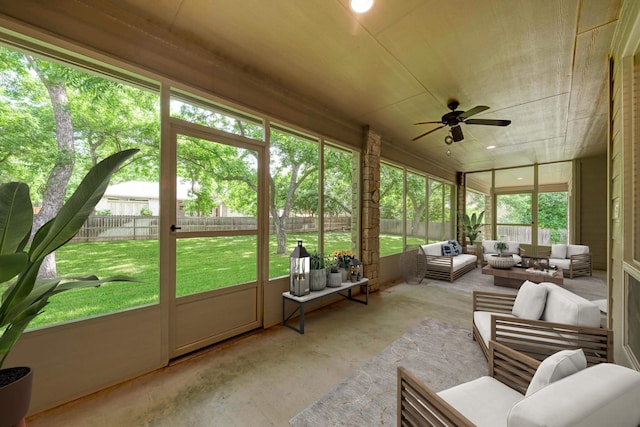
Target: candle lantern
{"type": "Point", "coordinates": [299, 267]}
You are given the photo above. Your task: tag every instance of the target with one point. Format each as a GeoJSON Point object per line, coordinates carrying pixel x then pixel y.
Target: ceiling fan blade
{"type": "Point", "coordinates": [427, 133]}
{"type": "Point", "coordinates": [427, 123]}
{"type": "Point", "coordinates": [488, 122]}
{"type": "Point", "coordinates": [472, 112]}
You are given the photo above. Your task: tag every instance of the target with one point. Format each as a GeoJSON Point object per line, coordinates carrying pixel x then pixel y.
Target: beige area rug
{"type": "Point", "coordinates": [439, 354]}
{"type": "Point", "coordinates": [589, 287]}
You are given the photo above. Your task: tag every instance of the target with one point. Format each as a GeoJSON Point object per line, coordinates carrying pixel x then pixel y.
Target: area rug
{"type": "Point", "coordinates": [439, 354]}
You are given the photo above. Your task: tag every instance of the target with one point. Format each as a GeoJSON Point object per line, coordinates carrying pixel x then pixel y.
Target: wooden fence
{"type": "Point", "coordinates": [131, 227]}
{"type": "Point", "coordinates": [99, 228]}
{"type": "Point", "coordinates": [520, 233]}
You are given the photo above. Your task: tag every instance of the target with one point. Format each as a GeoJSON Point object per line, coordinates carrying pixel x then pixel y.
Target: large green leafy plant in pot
{"type": "Point", "coordinates": [26, 296]}
{"type": "Point", "coordinates": [472, 225]}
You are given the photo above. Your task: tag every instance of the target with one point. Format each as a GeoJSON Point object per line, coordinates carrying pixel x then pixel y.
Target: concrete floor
{"type": "Point", "coordinates": [267, 377]}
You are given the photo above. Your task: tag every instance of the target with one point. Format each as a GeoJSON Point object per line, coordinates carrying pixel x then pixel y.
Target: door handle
{"type": "Point", "coordinates": [174, 228]}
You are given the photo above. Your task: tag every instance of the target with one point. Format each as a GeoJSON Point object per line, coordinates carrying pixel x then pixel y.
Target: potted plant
{"type": "Point", "coordinates": [317, 273]}
{"type": "Point", "coordinates": [500, 247]}
{"type": "Point", "coordinates": [472, 225]}
{"type": "Point", "coordinates": [343, 259]}
{"type": "Point", "coordinates": [334, 276]}
{"type": "Point", "coordinates": [25, 295]}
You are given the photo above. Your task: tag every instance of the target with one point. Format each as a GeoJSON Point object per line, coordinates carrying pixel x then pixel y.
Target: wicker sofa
{"type": "Point", "coordinates": [541, 320]}
{"type": "Point", "coordinates": [436, 261]}
{"type": "Point", "coordinates": [521, 391]}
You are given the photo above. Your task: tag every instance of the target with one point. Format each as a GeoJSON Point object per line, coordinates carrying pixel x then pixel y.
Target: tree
{"type": "Point", "coordinates": [552, 214]}
{"type": "Point", "coordinates": [338, 181]}
{"type": "Point", "coordinates": [552, 211]}
{"type": "Point", "coordinates": [61, 120]}
{"type": "Point", "coordinates": [53, 77]}
{"type": "Point", "coordinates": [514, 208]}
{"type": "Point", "coordinates": [293, 161]}
{"type": "Point", "coordinates": [391, 190]}
{"type": "Point", "coordinates": [436, 193]}
{"type": "Point", "coordinates": [218, 174]}
{"type": "Point", "coordinates": [417, 206]}
{"type": "Point", "coordinates": [293, 172]}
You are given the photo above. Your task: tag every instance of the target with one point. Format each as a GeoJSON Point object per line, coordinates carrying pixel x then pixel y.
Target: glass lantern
{"type": "Point", "coordinates": [299, 267]}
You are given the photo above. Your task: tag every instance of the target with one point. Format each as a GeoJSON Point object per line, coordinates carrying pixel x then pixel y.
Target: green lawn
{"type": "Point", "coordinates": [202, 264]}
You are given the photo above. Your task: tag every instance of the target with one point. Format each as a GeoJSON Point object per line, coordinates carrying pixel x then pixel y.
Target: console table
{"type": "Point", "coordinates": [314, 295]}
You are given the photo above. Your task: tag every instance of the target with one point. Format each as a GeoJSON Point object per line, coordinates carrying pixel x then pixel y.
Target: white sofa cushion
{"type": "Point", "coordinates": [563, 306]}
{"type": "Point", "coordinates": [555, 367]}
{"type": "Point", "coordinates": [530, 301]}
{"type": "Point", "coordinates": [558, 251]}
{"type": "Point", "coordinates": [482, 320]}
{"type": "Point", "coordinates": [463, 260]}
{"type": "Point", "coordinates": [562, 263]}
{"type": "Point", "coordinates": [432, 248]}
{"type": "Point", "coordinates": [485, 401]}
{"type": "Point", "coordinates": [601, 395]}
{"type": "Point", "coordinates": [576, 250]}
{"type": "Point", "coordinates": [513, 248]}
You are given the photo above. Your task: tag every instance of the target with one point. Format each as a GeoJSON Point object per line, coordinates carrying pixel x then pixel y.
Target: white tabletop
{"type": "Point", "coordinates": [326, 291]}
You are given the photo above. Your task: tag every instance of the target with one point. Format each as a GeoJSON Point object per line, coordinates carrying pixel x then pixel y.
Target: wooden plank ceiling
{"type": "Point", "coordinates": [542, 64]}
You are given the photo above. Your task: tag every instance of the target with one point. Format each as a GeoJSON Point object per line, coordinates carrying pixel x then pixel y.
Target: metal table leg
{"type": "Point", "coordinates": [285, 321]}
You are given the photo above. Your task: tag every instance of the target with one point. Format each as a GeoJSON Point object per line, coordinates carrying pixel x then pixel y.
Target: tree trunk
{"type": "Point", "coordinates": [281, 233]}
{"type": "Point", "coordinates": [56, 187]}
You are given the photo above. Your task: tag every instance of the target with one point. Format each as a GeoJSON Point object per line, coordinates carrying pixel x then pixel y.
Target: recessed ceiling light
{"type": "Point", "coordinates": [491, 147]}
{"type": "Point", "coordinates": [361, 6]}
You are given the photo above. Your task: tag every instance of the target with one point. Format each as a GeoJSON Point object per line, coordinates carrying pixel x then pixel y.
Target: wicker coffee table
{"type": "Point", "coordinates": [514, 277]}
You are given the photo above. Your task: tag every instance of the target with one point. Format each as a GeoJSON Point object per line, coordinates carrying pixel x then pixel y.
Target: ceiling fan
{"type": "Point", "coordinates": [455, 117]}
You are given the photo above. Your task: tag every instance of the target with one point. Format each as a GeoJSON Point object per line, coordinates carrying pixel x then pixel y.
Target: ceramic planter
{"type": "Point", "coordinates": [15, 395]}
{"type": "Point", "coordinates": [317, 279]}
{"type": "Point", "coordinates": [501, 261]}
{"type": "Point", "coordinates": [334, 280]}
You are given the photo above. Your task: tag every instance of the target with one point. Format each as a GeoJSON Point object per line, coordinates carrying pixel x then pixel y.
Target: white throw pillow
{"type": "Point", "coordinates": [513, 248]}
{"type": "Point", "coordinates": [558, 251]}
{"type": "Point", "coordinates": [488, 247]}
{"type": "Point", "coordinates": [555, 367]}
{"type": "Point", "coordinates": [530, 301]}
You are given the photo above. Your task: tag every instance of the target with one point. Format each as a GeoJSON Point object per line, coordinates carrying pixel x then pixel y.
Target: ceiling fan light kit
{"type": "Point", "coordinates": [456, 133]}
{"type": "Point", "coordinates": [455, 118]}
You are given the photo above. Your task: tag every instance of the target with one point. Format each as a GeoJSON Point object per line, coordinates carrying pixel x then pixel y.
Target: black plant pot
{"type": "Point", "coordinates": [15, 394]}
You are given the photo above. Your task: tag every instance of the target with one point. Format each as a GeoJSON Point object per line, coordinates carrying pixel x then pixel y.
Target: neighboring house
{"type": "Point", "coordinates": [129, 198]}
